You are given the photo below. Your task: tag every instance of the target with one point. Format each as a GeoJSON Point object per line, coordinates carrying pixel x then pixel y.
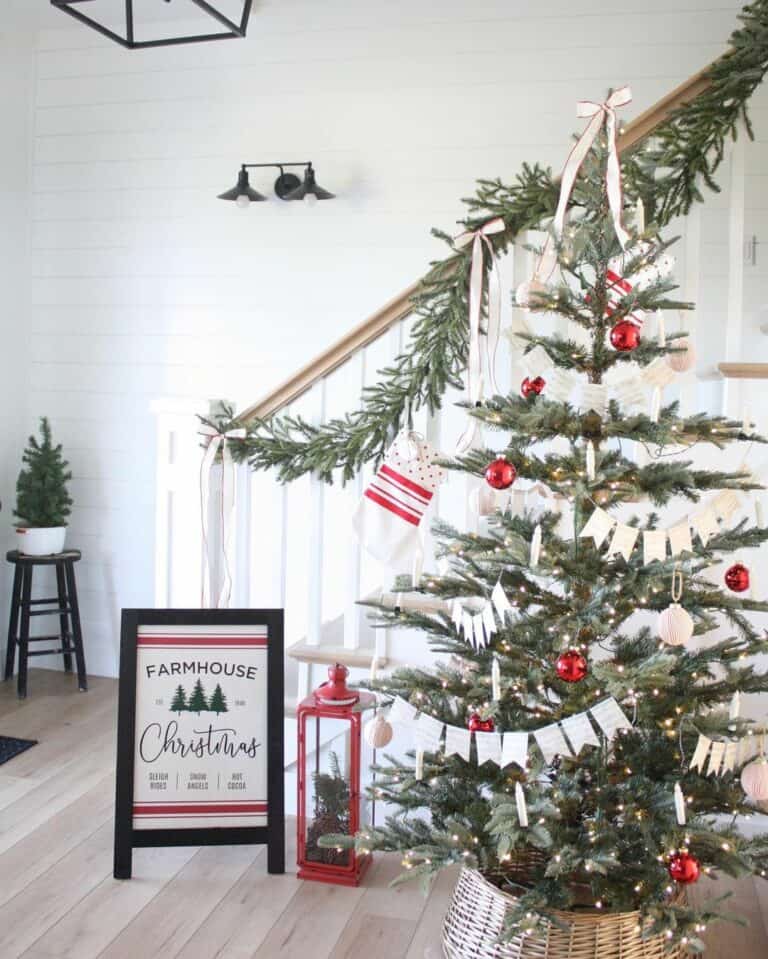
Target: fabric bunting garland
{"type": "Point", "coordinates": [704, 522]}
{"type": "Point", "coordinates": [566, 738]}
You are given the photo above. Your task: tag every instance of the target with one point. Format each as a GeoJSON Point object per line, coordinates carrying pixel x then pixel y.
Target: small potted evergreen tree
{"type": "Point", "coordinates": [42, 499]}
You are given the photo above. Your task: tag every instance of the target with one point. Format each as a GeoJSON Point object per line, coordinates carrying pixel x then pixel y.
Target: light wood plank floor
{"type": "Point", "coordinates": [58, 899]}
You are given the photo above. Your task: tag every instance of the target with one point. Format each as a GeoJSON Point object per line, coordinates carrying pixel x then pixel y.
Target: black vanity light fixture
{"type": "Point", "coordinates": [287, 186]}
{"type": "Point", "coordinates": [127, 38]}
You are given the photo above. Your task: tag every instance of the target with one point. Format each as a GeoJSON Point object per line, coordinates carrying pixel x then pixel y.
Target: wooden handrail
{"type": "Point", "coordinates": [400, 307]}
{"type": "Point", "coordinates": [744, 371]}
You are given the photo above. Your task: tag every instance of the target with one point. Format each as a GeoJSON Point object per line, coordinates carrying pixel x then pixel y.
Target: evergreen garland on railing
{"type": "Point", "coordinates": [667, 172]}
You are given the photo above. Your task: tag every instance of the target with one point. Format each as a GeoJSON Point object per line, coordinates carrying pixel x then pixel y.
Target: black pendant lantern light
{"type": "Point", "coordinates": [226, 28]}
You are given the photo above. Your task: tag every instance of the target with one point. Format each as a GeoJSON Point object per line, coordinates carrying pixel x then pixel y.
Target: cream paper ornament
{"type": "Point", "coordinates": [754, 779]}
{"type": "Point", "coordinates": [378, 732]}
{"type": "Point", "coordinates": [682, 362]}
{"type": "Point", "coordinates": [675, 623]}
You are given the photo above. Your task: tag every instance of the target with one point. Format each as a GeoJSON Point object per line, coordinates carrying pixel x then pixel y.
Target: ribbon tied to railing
{"type": "Point", "coordinates": [218, 440]}
{"type": "Point", "coordinates": [481, 242]}
{"type": "Point", "coordinates": [598, 114]}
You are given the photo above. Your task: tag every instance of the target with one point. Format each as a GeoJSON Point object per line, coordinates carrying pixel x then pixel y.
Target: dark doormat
{"type": "Point", "coordinates": [10, 747]}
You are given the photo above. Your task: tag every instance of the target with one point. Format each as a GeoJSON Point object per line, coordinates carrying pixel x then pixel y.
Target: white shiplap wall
{"type": "Point", "coordinates": [145, 286]}
{"type": "Point", "coordinates": [16, 86]}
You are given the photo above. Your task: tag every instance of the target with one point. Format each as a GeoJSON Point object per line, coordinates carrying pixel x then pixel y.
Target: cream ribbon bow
{"type": "Point", "coordinates": [599, 114]}
{"type": "Point", "coordinates": [480, 242]}
{"type": "Point", "coordinates": [226, 509]}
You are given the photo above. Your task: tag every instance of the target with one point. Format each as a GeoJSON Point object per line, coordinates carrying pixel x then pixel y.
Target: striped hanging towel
{"type": "Point", "coordinates": [390, 511]}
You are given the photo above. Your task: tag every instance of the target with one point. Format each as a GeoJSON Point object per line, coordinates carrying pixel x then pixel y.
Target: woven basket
{"type": "Point", "coordinates": [476, 917]}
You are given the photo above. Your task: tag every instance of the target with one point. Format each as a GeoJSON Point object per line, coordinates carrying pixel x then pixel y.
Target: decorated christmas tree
{"type": "Point", "coordinates": [582, 743]}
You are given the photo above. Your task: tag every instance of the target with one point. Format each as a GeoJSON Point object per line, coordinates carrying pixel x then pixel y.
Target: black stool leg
{"type": "Point", "coordinates": [66, 644]}
{"type": "Point", "coordinates": [26, 596]}
{"type": "Point", "coordinates": [13, 623]}
{"type": "Point", "coordinates": [77, 633]}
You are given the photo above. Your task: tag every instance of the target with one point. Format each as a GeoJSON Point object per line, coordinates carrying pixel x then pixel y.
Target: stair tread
{"type": "Point", "coordinates": [306, 653]}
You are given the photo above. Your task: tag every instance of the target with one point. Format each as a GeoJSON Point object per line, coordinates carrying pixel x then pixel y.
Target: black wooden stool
{"type": "Point", "coordinates": [64, 606]}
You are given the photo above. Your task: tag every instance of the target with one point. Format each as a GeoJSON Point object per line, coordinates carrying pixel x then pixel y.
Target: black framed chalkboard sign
{"type": "Point", "coordinates": [200, 731]}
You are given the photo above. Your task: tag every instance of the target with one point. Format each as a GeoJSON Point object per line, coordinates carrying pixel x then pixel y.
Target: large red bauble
{"type": "Point", "coordinates": [500, 474]}
{"type": "Point", "coordinates": [571, 666]}
{"type": "Point", "coordinates": [532, 387]}
{"type": "Point", "coordinates": [476, 724]}
{"type": "Point", "coordinates": [625, 336]}
{"type": "Point", "coordinates": [737, 578]}
{"type": "Point", "coordinates": [684, 868]}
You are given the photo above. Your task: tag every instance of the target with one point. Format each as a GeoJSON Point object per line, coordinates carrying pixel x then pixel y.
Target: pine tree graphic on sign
{"type": "Point", "coordinates": [218, 703]}
{"type": "Point", "coordinates": [179, 703]}
{"type": "Point", "coordinates": [197, 701]}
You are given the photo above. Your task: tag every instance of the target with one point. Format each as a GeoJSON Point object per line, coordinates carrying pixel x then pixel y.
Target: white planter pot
{"type": "Point", "coordinates": [40, 541]}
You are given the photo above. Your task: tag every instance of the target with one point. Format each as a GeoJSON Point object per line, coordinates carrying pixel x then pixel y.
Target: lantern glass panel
{"type": "Point", "coordinates": [328, 788]}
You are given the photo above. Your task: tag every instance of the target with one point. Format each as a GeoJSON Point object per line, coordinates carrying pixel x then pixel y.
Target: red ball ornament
{"type": "Point", "coordinates": [625, 336]}
{"type": "Point", "coordinates": [476, 724]}
{"type": "Point", "coordinates": [532, 387]}
{"type": "Point", "coordinates": [737, 578]}
{"type": "Point", "coordinates": [684, 868]}
{"type": "Point", "coordinates": [571, 666]}
{"type": "Point", "coordinates": [500, 474]}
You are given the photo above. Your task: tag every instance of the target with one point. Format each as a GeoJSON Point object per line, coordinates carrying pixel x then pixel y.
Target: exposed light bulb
{"type": "Point", "coordinates": [310, 199]}
{"type": "Point", "coordinates": [243, 201]}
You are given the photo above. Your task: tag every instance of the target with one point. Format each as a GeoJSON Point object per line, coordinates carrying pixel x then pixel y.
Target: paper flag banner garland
{"type": "Point", "coordinates": [610, 717]}
{"type": "Point", "coordinates": [700, 754]}
{"type": "Point", "coordinates": [712, 758]}
{"type": "Point", "coordinates": [402, 712]}
{"type": "Point", "coordinates": [429, 732]}
{"type": "Point", "coordinates": [623, 542]}
{"type": "Point", "coordinates": [629, 391]}
{"type": "Point", "coordinates": [598, 526]}
{"type": "Point", "coordinates": [505, 748]}
{"type": "Point", "coordinates": [715, 758]}
{"type": "Point", "coordinates": [457, 742]}
{"type": "Point", "coordinates": [579, 731]}
{"type": "Point", "coordinates": [551, 742]}
{"type": "Point", "coordinates": [488, 748]}
{"type": "Point", "coordinates": [515, 749]}
{"type": "Point", "coordinates": [705, 523]}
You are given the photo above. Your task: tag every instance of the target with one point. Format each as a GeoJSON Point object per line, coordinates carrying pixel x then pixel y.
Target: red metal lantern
{"type": "Point", "coordinates": [329, 754]}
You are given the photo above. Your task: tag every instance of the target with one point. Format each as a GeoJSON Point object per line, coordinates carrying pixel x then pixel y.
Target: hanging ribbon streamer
{"type": "Point", "coordinates": [226, 509]}
{"type": "Point", "coordinates": [419, 772]}
{"type": "Point", "coordinates": [655, 404]}
{"type": "Point", "coordinates": [480, 242]}
{"type": "Point", "coordinates": [598, 114]}
{"type": "Point", "coordinates": [661, 330]}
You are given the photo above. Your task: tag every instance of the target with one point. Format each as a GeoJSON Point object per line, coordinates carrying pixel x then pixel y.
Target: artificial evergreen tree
{"type": "Point", "coordinates": [584, 625]}
{"type": "Point", "coordinates": [42, 498]}
{"type": "Point", "coordinates": [179, 702]}
{"type": "Point", "coordinates": [197, 701]}
{"type": "Point", "coordinates": [218, 702]}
